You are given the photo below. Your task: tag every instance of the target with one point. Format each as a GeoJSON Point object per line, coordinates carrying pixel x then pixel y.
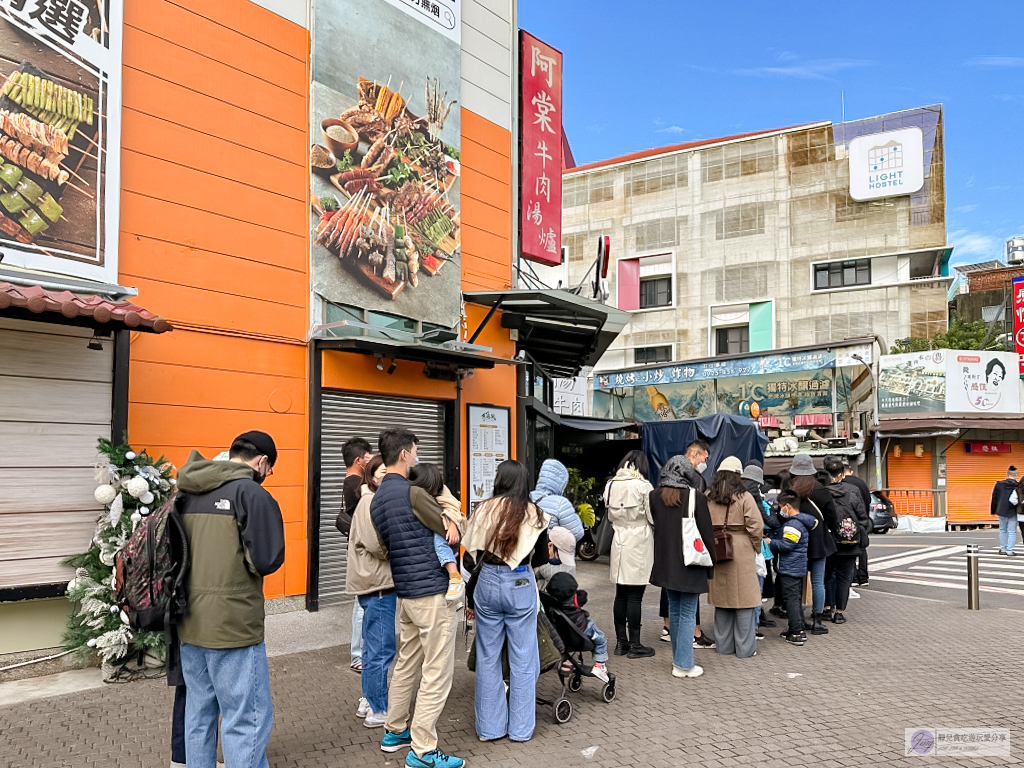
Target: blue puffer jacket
{"type": "Point", "coordinates": [551, 484]}
{"type": "Point", "coordinates": [792, 545]}
{"type": "Point", "coordinates": [410, 544]}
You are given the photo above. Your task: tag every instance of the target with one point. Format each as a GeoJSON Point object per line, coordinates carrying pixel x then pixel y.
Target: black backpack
{"type": "Point", "coordinates": [848, 532]}
{"type": "Point", "coordinates": [151, 568]}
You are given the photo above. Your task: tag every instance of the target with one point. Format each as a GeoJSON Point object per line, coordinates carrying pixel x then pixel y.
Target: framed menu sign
{"type": "Point", "coordinates": [488, 427]}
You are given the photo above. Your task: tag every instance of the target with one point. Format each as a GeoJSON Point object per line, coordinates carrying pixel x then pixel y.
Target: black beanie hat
{"type": "Point", "coordinates": [264, 444]}
{"type": "Point", "coordinates": [562, 586]}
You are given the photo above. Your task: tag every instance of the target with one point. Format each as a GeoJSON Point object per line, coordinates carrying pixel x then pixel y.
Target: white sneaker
{"type": "Point", "coordinates": [854, 594]}
{"type": "Point", "coordinates": [666, 636]}
{"type": "Point", "coordinates": [364, 707]}
{"type": "Point", "coordinates": [600, 671]}
{"type": "Point", "coordinates": [456, 591]}
{"type": "Point", "coordinates": [694, 671]}
{"type": "Point", "coordinates": [375, 719]}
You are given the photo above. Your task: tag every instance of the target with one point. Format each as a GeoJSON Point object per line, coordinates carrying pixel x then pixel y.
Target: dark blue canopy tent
{"type": "Point", "coordinates": [727, 435]}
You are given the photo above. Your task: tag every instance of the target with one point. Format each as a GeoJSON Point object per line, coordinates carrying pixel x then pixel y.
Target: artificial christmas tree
{"type": "Point", "coordinates": [131, 486]}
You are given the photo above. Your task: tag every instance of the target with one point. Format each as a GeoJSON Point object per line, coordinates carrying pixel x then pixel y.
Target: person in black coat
{"type": "Point", "coordinates": [816, 501]}
{"type": "Point", "coordinates": [861, 577]}
{"type": "Point", "coordinates": [841, 567]}
{"type": "Point", "coordinates": [670, 502]}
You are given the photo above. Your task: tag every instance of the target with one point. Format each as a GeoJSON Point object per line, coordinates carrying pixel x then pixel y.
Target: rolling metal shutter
{"type": "Point", "coordinates": [910, 483]}
{"type": "Point", "coordinates": [55, 401]}
{"type": "Point", "coordinates": [969, 481]}
{"type": "Point", "coordinates": [349, 414]}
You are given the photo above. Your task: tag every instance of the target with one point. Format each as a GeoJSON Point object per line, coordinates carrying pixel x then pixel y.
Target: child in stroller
{"type": "Point", "coordinates": [563, 601]}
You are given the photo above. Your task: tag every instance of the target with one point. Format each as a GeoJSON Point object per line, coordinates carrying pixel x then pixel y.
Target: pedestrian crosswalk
{"type": "Point", "coordinates": [946, 568]}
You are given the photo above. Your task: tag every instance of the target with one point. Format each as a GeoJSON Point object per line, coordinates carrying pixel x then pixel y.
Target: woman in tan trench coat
{"type": "Point", "coordinates": [735, 591]}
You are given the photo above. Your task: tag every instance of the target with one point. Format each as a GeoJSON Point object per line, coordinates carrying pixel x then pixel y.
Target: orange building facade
{"type": "Point", "coordinates": [215, 235]}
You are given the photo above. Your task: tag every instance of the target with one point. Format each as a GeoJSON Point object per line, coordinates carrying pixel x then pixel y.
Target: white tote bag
{"type": "Point", "coordinates": [694, 551]}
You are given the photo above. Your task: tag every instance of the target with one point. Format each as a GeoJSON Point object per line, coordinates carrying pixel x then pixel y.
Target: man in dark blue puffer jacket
{"type": "Point", "coordinates": [427, 622]}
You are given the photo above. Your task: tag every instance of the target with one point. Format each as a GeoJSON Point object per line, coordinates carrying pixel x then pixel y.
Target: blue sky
{"type": "Point", "coordinates": [644, 74]}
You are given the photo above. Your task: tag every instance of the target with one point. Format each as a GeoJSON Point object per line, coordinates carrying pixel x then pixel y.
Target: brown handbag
{"type": "Point", "coordinates": [723, 540]}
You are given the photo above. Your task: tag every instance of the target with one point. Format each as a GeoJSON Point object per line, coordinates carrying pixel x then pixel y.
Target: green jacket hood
{"type": "Point", "coordinates": [200, 475]}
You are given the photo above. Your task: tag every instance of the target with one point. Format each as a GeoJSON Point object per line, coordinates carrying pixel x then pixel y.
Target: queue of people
{"type": "Point", "coordinates": [414, 560]}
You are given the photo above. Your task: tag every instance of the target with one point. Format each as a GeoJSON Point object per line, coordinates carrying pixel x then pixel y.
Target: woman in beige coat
{"type": "Point", "coordinates": [735, 591]}
{"type": "Point", "coordinates": [627, 500]}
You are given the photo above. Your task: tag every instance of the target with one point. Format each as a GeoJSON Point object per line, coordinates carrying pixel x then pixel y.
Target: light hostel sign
{"type": "Point", "coordinates": [886, 164]}
{"type": "Point", "coordinates": [540, 151]}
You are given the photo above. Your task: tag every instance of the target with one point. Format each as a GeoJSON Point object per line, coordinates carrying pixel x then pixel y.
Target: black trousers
{"type": "Point", "coordinates": [178, 726]}
{"type": "Point", "coordinates": [844, 569]}
{"type": "Point", "coordinates": [626, 610]}
{"type": "Point", "coordinates": [862, 564]}
{"type": "Point", "coordinates": [791, 589]}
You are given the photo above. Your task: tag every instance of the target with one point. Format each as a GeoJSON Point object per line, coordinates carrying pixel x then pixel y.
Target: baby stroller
{"type": "Point", "coordinates": [576, 644]}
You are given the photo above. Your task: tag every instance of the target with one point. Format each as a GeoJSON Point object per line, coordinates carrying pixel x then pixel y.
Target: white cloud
{"type": "Point", "coordinates": [819, 69]}
{"type": "Point", "coordinates": [974, 246]}
{"type": "Point", "coordinates": [966, 208]}
{"type": "Point", "coordinates": [996, 61]}
{"type": "Point", "coordinates": [671, 129]}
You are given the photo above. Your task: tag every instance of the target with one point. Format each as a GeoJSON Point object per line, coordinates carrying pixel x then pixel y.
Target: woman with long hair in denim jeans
{"type": "Point", "coordinates": [507, 537]}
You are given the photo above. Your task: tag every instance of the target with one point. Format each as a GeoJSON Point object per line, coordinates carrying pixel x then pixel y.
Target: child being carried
{"type": "Point", "coordinates": [428, 477]}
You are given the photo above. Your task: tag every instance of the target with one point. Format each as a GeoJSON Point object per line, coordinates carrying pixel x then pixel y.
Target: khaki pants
{"type": "Point", "coordinates": [426, 644]}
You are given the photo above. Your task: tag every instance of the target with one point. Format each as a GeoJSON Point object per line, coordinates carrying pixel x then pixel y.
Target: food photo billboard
{"type": "Point", "coordinates": [914, 382]}
{"type": "Point", "coordinates": [385, 156]}
{"type": "Point", "coordinates": [60, 136]}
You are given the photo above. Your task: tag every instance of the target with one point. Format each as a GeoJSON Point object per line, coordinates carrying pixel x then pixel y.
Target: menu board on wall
{"type": "Point", "coordinates": [488, 428]}
{"type": "Point", "coordinates": [60, 136]}
{"type": "Point", "coordinates": [540, 151]}
{"type": "Point", "coordinates": [385, 167]}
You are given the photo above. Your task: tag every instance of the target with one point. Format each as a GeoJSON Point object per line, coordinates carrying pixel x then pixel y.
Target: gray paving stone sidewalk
{"type": "Point", "coordinates": [842, 700]}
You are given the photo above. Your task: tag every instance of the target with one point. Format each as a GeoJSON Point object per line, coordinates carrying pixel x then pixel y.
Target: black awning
{"type": "Point", "coordinates": [948, 421]}
{"type": "Point", "coordinates": [588, 424]}
{"type": "Point", "coordinates": [561, 331]}
{"type": "Point", "coordinates": [415, 352]}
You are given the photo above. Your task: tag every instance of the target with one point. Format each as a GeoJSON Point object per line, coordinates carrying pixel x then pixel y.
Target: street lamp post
{"type": "Point", "coordinates": [874, 419]}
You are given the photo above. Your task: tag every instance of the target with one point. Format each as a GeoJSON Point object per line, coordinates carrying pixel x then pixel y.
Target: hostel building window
{"type": "Point", "coordinates": [657, 175]}
{"type": "Point", "coordinates": [731, 341]}
{"type": "Point", "coordinates": [810, 147]}
{"type": "Point", "coordinates": [657, 233]}
{"type": "Point", "coordinates": [744, 158]}
{"type": "Point", "coordinates": [739, 221]}
{"type": "Point", "coordinates": [842, 274]}
{"type": "Point", "coordinates": [648, 355]}
{"type": "Point", "coordinates": [655, 292]}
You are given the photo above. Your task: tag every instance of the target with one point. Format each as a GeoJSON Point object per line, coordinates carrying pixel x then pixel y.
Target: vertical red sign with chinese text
{"type": "Point", "coordinates": [1018, 321]}
{"type": "Point", "coordinates": [540, 151]}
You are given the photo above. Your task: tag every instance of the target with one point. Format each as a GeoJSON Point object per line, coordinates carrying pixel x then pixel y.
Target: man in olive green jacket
{"type": "Point", "coordinates": [236, 537]}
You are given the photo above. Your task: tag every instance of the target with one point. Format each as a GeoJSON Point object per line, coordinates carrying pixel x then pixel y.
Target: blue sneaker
{"type": "Point", "coordinates": [434, 759]}
{"type": "Point", "coordinates": [392, 742]}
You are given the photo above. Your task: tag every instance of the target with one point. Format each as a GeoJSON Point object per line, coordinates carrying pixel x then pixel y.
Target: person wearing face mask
{"type": "Point", "coordinates": [426, 620]}
{"type": "Point", "coordinates": [697, 454]}
{"type": "Point", "coordinates": [236, 538]}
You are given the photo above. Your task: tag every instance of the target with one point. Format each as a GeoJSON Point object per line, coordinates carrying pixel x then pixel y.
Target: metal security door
{"type": "Point", "coordinates": [349, 414]}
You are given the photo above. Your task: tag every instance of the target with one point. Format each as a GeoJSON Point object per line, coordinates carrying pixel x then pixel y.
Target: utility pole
{"type": "Point", "coordinates": [874, 420]}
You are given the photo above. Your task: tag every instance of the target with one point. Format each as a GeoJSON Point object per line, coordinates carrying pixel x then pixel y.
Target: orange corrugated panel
{"type": "Point", "coordinates": [969, 481]}
{"type": "Point", "coordinates": [910, 483]}
{"type": "Point", "coordinates": [487, 217]}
